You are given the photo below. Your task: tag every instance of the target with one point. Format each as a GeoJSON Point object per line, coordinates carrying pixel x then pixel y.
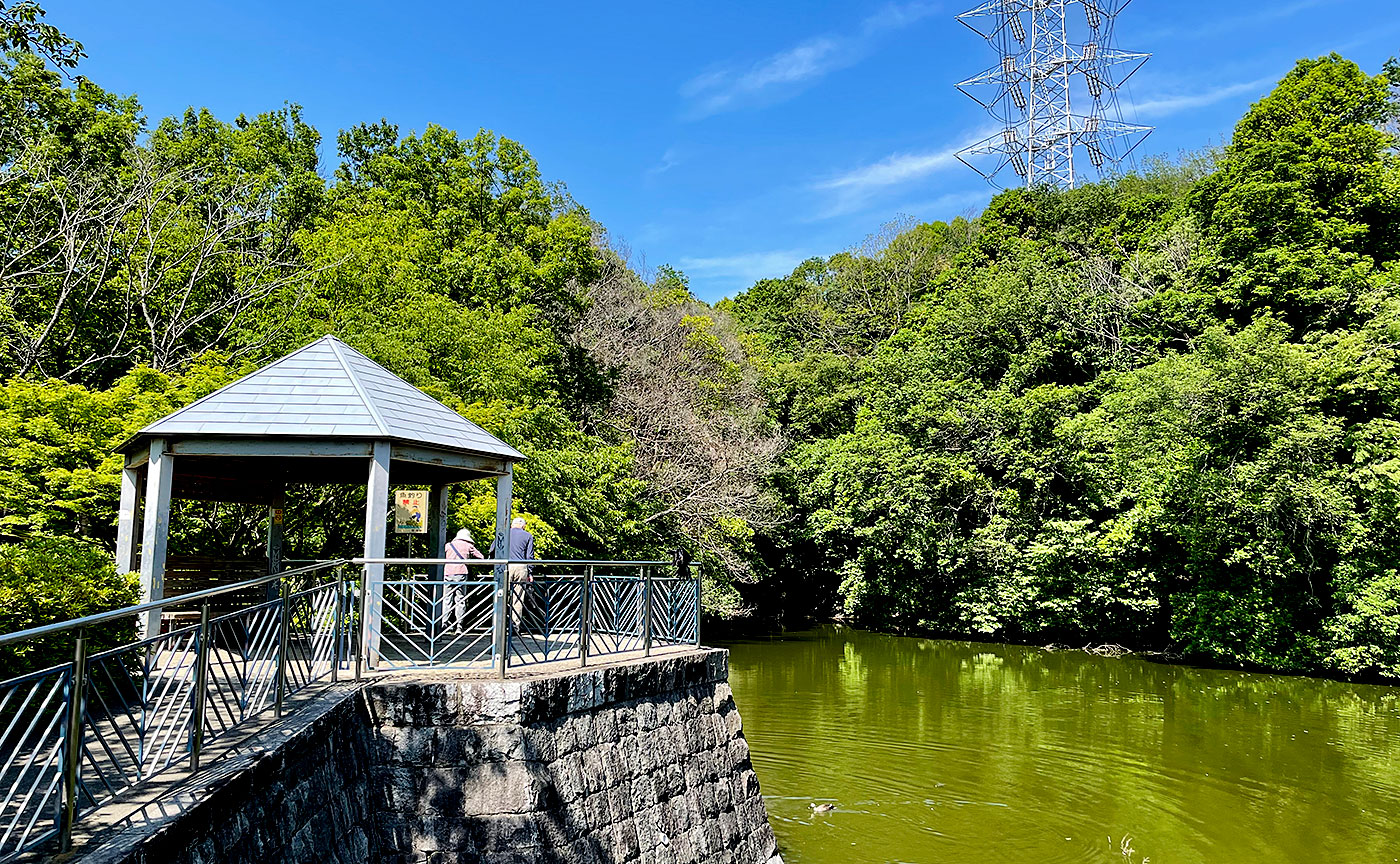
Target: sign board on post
{"type": "Point", "coordinates": [411, 511]}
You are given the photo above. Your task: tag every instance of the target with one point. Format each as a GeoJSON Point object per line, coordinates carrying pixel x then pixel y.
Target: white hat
{"type": "Point", "coordinates": [464, 534]}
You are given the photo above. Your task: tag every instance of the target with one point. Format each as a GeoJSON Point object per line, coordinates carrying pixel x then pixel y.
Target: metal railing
{"type": "Point", "coordinates": [76, 735]}
{"type": "Point", "coordinates": [79, 734]}
{"type": "Point", "coordinates": [566, 610]}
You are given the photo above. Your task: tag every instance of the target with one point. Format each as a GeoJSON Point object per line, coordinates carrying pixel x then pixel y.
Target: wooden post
{"type": "Point", "coordinates": [437, 525]}
{"type": "Point", "coordinates": [274, 540]}
{"type": "Point", "coordinates": [155, 532]}
{"type": "Point", "coordinates": [502, 550]}
{"type": "Point", "coordinates": [128, 517]}
{"type": "Point", "coordinates": [376, 536]}
{"type": "Point", "coordinates": [437, 548]}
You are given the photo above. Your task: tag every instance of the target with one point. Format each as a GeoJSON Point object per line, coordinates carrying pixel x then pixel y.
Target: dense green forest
{"type": "Point", "coordinates": [150, 262]}
{"type": "Point", "coordinates": [1161, 411]}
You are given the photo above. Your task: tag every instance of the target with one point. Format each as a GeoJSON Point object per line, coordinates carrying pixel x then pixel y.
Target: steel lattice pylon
{"type": "Point", "coordinates": [1054, 97]}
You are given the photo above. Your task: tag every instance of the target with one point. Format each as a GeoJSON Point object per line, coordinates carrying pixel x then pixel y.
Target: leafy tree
{"type": "Point", "coordinates": [38, 586]}
{"type": "Point", "coordinates": [1157, 411]}
{"type": "Point", "coordinates": [23, 29]}
{"type": "Point", "coordinates": [1304, 207]}
{"type": "Point", "coordinates": [1161, 410]}
{"type": "Point", "coordinates": [59, 472]}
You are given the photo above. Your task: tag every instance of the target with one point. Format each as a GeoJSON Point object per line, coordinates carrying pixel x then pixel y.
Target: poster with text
{"type": "Point", "coordinates": [411, 511]}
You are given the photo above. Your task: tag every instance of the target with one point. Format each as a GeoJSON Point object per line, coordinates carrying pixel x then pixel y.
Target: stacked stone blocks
{"type": "Point", "coordinates": [637, 763]}
{"type": "Point", "coordinates": [643, 762]}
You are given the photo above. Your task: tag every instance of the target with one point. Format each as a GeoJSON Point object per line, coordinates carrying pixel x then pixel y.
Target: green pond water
{"type": "Point", "coordinates": [942, 751]}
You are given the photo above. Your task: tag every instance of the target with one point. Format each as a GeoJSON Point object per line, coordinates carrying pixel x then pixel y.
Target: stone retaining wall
{"type": "Point", "coordinates": [642, 762]}
{"type": "Point", "coordinates": [297, 793]}
{"type": "Point", "coordinates": [639, 762]}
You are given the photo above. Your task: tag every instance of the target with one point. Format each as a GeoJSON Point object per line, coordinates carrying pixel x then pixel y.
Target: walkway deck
{"type": "Point", "coordinates": [166, 795]}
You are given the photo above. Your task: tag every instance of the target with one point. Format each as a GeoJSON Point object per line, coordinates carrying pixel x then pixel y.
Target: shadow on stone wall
{"type": "Point", "coordinates": [638, 762]}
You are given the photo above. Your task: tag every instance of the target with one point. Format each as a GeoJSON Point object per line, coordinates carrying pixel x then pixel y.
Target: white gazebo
{"type": "Point", "coordinates": [323, 414]}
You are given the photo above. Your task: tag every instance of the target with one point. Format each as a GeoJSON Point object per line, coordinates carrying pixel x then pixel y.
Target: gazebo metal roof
{"type": "Point", "coordinates": [324, 414]}
{"type": "Point", "coordinates": [327, 390]}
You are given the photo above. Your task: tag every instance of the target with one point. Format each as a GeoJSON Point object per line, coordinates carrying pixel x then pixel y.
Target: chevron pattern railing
{"type": "Point", "coordinates": [562, 611]}
{"type": "Point", "coordinates": [78, 735]}
{"type": "Point", "coordinates": [75, 736]}
{"type": "Point", "coordinates": [34, 711]}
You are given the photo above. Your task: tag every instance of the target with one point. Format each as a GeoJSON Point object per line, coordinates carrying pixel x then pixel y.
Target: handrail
{"type": "Point", "coordinates": [493, 561]}
{"type": "Point", "coordinates": [114, 614]}
{"type": "Point", "coordinates": [305, 636]}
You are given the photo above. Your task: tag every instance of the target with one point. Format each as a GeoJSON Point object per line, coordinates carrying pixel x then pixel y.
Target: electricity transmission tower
{"type": "Point", "coordinates": [1053, 97]}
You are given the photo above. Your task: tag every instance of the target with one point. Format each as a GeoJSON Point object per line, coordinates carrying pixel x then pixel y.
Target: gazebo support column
{"type": "Point", "coordinates": [437, 525]}
{"type": "Point", "coordinates": [437, 548]}
{"type": "Point", "coordinates": [155, 532]}
{"type": "Point", "coordinates": [502, 550]}
{"type": "Point", "coordinates": [376, 528]}
{"type": "Point", "coordinates": [128, 517]}
{"type": "Point", "coordinates": [274, 541]}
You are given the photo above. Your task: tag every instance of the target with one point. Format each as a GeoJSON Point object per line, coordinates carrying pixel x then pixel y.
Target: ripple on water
{"type": "Point", "coordinates": [953, 752]}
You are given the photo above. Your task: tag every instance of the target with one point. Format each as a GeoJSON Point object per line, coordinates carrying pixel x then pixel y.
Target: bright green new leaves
{"type": "Point", "coordinates": [38, 586]}
{"type": "Point", "coordinates": [1160, 411]}
{"type": "Point", "coordinates": [59, 474]}
{"type": "Point", "coordinates": [499, 235]}
{"type": "Point", "coordinates": [1306, 202]}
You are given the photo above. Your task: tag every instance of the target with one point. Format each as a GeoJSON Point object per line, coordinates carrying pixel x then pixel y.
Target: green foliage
{"type": "Point", "coordinates": [59, 474]}
{"type": "Point", "coordinates": [55, 579]}
{"type": "Point", "coordinates": [1162, 411]}
{"type": "Point", "coordinates": [1305, 204]}
{"type": "Point", "coordinates": [150, 266]}
{"type": "Point", "coordinates": [23, 29]}
{"type": "Point", "coordinates": [1159, 411]}
{"type": "Point", "coordinates": [493, 232]}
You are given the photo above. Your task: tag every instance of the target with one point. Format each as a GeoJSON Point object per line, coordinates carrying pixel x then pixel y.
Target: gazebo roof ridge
{"type": "Point", "coordinates": [326, 389]}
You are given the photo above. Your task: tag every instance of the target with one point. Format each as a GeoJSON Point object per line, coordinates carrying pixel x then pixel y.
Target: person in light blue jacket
{"type": "Point", "coordinates": [520, 546]}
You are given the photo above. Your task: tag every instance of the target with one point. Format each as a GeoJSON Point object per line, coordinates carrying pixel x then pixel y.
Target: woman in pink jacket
{"type": "Point", "coordinates": [454, 604]}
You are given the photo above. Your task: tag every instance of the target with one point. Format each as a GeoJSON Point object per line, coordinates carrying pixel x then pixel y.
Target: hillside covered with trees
{"type": "Point", "coordinates": [150, 262]}
{"type": "Point", "coordinates": [1161, 411]}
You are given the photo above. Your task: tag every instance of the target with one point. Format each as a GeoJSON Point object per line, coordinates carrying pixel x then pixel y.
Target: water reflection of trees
{"type": "Point", "coordinates": [1195, 763]}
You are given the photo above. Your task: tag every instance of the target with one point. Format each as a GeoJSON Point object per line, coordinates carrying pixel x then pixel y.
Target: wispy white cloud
{"type": "Point", "coordinates": [1372, 34]}
{"type": "Point", "coordinates": [857, 189]}
{"type": "Point", "coordinates": [785, 72]}
{"type": "Point", "coordinates": [746, 268]}
{"type": "Point", "coordinates": [898, 168]}
{"type": "Point", "coordinates": [670, 159]}
{"type": "Point", "coordinates": [1166, 105]}
{"type": "Point", "coordinates": [946, 205]}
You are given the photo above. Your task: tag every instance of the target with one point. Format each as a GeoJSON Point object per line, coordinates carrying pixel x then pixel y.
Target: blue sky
{"type": "Point", "coordinates": [728, 139]}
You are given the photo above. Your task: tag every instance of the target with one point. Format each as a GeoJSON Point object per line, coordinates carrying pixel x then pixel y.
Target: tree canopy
{"type": "Point", "coordinates": [1161, 410]}
{"type": "Point", "coordinates": [1158, 411]}
{"type": "Point", "coordinates": [151, 262]}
